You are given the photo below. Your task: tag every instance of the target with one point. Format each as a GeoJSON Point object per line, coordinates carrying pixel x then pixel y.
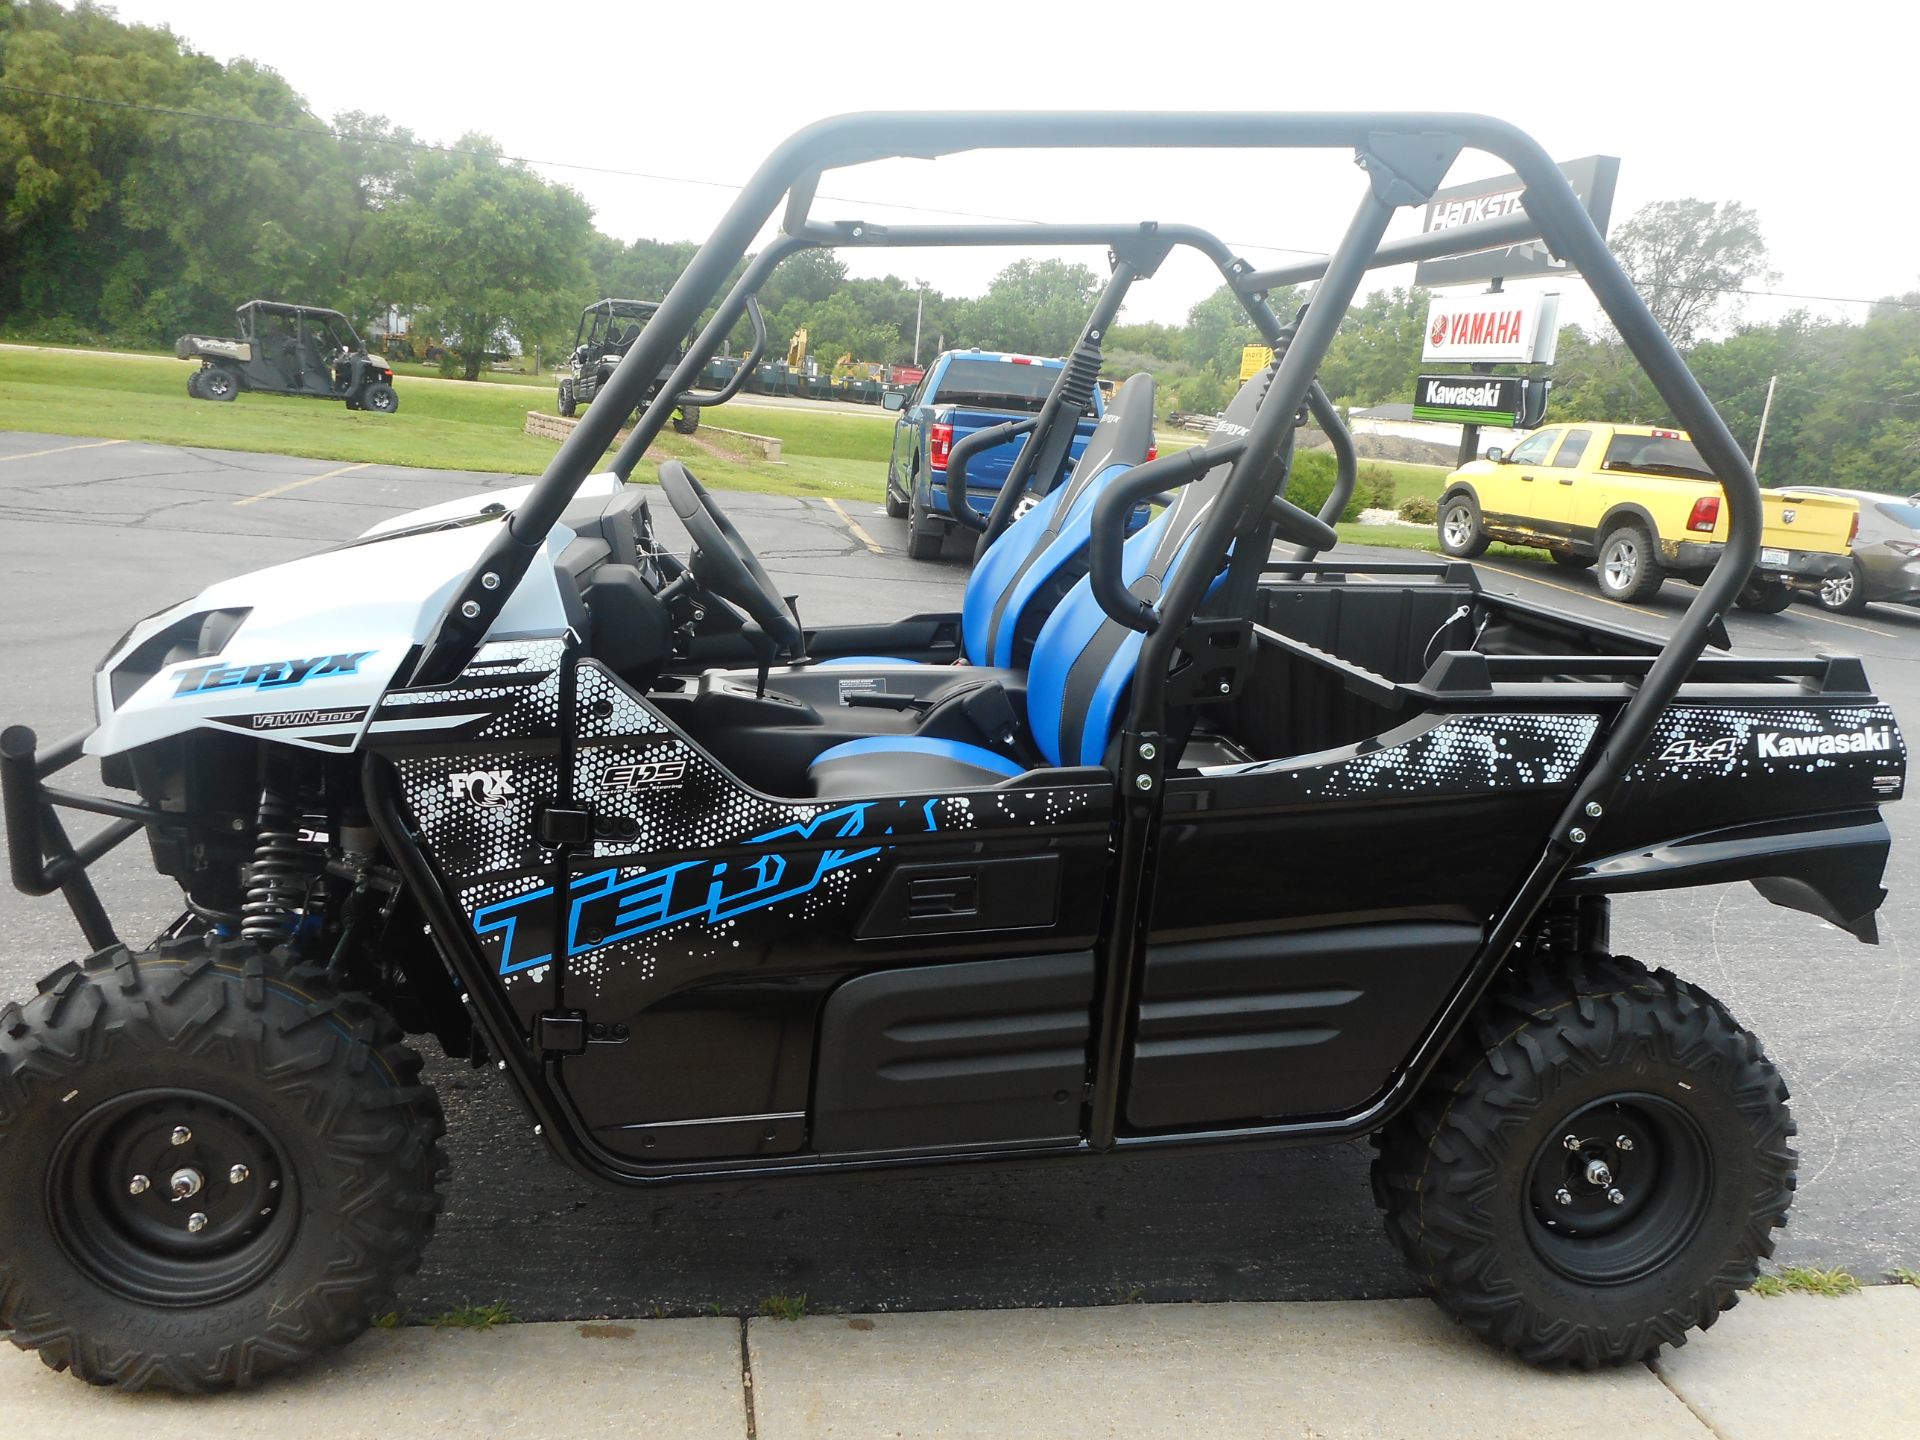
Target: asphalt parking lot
{"type": "Point", "coordinates": [96, 534]}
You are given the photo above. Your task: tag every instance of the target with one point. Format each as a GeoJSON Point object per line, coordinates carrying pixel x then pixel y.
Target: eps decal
{"type": "Point", "coordinates": [644, 775]}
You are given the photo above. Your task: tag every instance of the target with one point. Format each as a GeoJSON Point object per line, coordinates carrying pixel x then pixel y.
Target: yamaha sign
{"type": "Point", "coordinates": [1498, 328]}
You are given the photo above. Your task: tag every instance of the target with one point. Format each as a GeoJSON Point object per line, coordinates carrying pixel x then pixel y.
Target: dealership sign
{"type": "Point", "coordinates": [1592, 180]}
{"type": "Point", "coordinates": [1469, 399]}
{"type": "Point", "coordinates": [1501, 327]}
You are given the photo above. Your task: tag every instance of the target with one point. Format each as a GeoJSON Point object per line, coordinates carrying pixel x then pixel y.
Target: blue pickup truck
{"type": "Point", "coordinates": [964, 391]}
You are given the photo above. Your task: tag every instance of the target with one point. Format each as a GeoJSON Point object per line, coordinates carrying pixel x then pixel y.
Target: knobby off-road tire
{"type": "Point", "coordinates": [686, 420]}
{"type": "Point", "coordinates": [1494, 1210]}
{"type": "Point", "coordinates": [291, 1114]}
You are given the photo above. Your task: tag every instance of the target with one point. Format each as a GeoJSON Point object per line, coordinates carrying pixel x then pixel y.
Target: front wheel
{"type": "Point", "coordinates": [564, 401]}
{"type": "Point", "coordinates": [1596, 1166]}
{"type": "Point", "coordinates": [218, 1165]}
{"type": "Point", "coordinates": [1461, 533]}
{"type": "Point", "coordinates": [1843, 594]}
{"type": "Point", "coordinates": [1765, 597]}
{"type": "Point", "coordinates": [1630, 569]}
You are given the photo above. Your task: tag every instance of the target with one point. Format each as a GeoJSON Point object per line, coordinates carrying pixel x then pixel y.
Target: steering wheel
{"type": "Point", "coordinates": [724, 562]}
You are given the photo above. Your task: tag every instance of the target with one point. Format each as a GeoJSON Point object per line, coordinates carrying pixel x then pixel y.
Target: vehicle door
{"type": "Point", "coordinates": [909, 428]}
{"type": "Point", "coordinates": [1311, 913]}
{"type": "Point", "coordinates": [314, 375]}
{"type": "Point", "coordinates": [760, 976]}
{"type": "Point", "coordinates": [1510, 503]}
{"type": "Point", "coordinates": [276, 349]}
{"type": "Point", "coordinates": [1556, 486]}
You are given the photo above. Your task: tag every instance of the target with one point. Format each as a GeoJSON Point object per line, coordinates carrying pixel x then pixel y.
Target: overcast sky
{"type": "Point", "coordinates": [1801, 112]}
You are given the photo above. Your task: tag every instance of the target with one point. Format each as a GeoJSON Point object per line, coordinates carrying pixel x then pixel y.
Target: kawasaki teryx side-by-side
{"type": "Point", "coordinates": [289, 350]}
{"type": "Point", "coordinates": [1207, 843]}
{"type": "Point", "coordinates": [607, 331]}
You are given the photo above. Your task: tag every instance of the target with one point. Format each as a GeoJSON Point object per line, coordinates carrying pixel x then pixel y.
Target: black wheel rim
{"type": "Point", "coordinates": [172, 1197]}
{"type": "Point", "coordinates": [1618, 1189]}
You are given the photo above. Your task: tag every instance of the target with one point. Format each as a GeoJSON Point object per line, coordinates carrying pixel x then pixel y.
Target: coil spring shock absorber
{"type": "Point", "coordinates": [277, 878]}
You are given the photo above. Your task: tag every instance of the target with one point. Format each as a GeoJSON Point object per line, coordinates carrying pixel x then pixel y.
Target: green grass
{"type": "Point", "coordinates": [441, 424]}
{"type": "Point", "coordinates": [1904, 1276]}
{"type": "Point", "coordinates": [1806, 1280]}
{"type": "Point", "coordinates": [392, 1320]}
{"type": "Point", "coordinates": [784, 1307]}
{"type": "Point", "coordinates": [473, 1317]}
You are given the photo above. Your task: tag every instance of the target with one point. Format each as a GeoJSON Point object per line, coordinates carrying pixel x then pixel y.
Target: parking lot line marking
{"type": "Point", "coordinates": [61, 450]}
{"type": "Point", "coordinates": [854, 525]}
{"type": "Point", "coordinates": [1851, 625]}
{"type": "Point", "coordinates": [295, 485]}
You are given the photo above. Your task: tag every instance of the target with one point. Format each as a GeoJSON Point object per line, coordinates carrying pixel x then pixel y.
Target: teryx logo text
{"type": "Point", "coordinates": [269, 675]}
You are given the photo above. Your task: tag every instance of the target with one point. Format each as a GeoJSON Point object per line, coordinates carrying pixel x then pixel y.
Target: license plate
{"type": "Point", "coordinates": [1773, 557]}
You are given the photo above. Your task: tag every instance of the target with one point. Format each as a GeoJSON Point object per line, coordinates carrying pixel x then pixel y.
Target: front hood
{"type": "Point", "coordinates": [304, 651]}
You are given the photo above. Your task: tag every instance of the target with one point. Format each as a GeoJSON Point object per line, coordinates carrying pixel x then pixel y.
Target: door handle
{"type": "Point", "coordinates": [1566, 482]}
{"type": "Point", "coordinates": [936, 895]}
{"type": "Point", "coordinates": [1527, 478]}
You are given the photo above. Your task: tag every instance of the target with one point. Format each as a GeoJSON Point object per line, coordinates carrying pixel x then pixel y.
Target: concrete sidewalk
{"type": "Point", "coordinates": [1795, 1368]}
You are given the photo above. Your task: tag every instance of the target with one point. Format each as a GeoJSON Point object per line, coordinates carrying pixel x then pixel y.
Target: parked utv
{"type": "Point", "coordinates": [289, 350]}
{"type": "Point", "coordinates": [1200, 847]}
{"type": "Point", "coordinates": [607, 331]}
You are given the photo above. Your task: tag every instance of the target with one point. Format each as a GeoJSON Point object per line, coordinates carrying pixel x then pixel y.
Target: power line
{"type": "Point", "coordinates": [352, 138]}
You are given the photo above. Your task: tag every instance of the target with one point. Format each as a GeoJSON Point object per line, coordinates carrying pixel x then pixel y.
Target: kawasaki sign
{"type": "Point", "coordinates": [1468, 399]}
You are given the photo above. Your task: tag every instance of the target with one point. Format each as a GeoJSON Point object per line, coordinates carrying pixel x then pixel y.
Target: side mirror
{"type": "Point", "coordinates": [893, 400]}
{"type": "Point", "coordinates": [1496, 454]}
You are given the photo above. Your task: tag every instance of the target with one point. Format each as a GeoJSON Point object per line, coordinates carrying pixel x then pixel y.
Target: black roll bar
{"type": "Point", "coordinates": [707, 398]}
{"type": "Point", "coordinates": [962, 455]}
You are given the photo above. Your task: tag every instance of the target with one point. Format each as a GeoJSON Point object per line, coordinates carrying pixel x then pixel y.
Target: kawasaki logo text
{"type": "Point", "coordinates": [1775, 746]}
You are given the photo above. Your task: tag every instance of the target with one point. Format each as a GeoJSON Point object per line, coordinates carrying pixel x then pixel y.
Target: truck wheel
{"type": "Point", "coordinates": [219, 383]}
{"type": "Point", "coordinates": [925, 539]}
{"type": "Point", "coordinates": [564, 402]}
{"type": "Point", "coordinates": [686, 419]}
{"type": "Point", "coordinates": [1595, 1167]}
{"type": "Point", "coordinates": [1765, 597]}
{"type": "Point", "coordinates": [217, 1165]}
{"type": "Point", "coordinates": [1843, 594]}
{"type": "Point", "coordinates": [1630, 567]}
{"type": "Point", "coordinates": [1461, 534]}
{"type": "Point", "coordinates": [1567, 560]}
{"type": "Point", "coordinates": [380, 397]}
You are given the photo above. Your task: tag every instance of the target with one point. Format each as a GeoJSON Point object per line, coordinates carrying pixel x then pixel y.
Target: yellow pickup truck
{"type": "Point", "coordinates": [1641, 502]}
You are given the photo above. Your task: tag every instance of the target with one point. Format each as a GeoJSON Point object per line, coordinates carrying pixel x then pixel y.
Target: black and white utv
{"type": "Point", "coordinates": [607, 331]}
{"type": "Point", "coordinates": [1206, 844]}
{"type": "Point", "coordinates": [284, 349]}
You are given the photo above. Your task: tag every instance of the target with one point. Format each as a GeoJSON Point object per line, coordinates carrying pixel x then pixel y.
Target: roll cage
{"type": "Point", "coordinates": [1404, 158]}
{"type": "Point", "coordinates": [306, 318]}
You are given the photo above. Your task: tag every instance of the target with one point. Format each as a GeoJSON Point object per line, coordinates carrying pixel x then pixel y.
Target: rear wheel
{"type": "Point", "coordinates": [1630, 568]}
{"type": "Point", "coordinates": [1461, 533]}
{"type": "Point", "coordinates": [217, 1166]}
{"type": "Point", "coordinates": [1596, 1166]}
{"type": "Point", "coordinates": [380, 397]}
{"type": "Point", "coordinates": [193, 384]}
{"type": "Point", "coordinates": [1843, 594]}
{"type": "Point", "coordinates": [686, 419]}
{"type": "Point", "coordinates": [219, 383]}
{"type": "Point", "coordinates": [925, 538]}
{"type": "Point", "coordinates": [1765, 597]}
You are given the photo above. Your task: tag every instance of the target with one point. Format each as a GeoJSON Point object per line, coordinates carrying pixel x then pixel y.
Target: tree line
{"type": "Point", "coordinates": [179, 187]}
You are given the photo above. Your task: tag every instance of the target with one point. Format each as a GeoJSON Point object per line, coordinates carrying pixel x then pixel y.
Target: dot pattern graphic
{"type": "Point", "coordinates": [1694, 743]}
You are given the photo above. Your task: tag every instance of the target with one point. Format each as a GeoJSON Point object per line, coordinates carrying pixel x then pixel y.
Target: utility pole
{"type": "Point", "coordinates": [1766, 409]}
{"type": "Point", "coordinates": [919, 303]}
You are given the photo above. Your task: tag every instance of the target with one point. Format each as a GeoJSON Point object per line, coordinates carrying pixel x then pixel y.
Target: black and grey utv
{"type": "Point", "coordinates": [289, 350]}
{"type": "Point", "coordinates": [1174, 837]}
{"type": "Point", "coordinates": [607, 331]}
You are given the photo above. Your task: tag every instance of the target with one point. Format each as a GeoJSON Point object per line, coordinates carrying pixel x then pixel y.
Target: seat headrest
{"type": "Point", "coordinates": [1125, 432]}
